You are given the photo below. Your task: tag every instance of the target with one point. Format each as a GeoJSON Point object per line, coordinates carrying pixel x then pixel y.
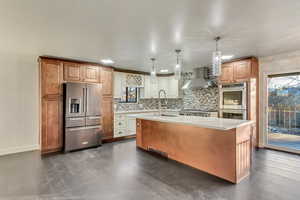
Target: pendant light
{"type": "Point", "coordinates": [216, 60]}
{"type": "Point", "coordinates": [178, 67]}
{"type": "Point", "coordinates": [153, 72]}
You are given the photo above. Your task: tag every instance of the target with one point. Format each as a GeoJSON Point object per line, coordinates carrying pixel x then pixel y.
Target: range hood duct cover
{"type": "Point", "coordinates": [201, 79]}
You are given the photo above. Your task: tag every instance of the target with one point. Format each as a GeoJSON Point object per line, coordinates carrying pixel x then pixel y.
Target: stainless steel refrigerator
{"type": "Point", "coordinates": [82, 116]}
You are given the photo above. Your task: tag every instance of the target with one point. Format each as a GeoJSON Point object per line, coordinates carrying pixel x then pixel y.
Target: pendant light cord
{"type": "Point", "coordinates": [217, 40]}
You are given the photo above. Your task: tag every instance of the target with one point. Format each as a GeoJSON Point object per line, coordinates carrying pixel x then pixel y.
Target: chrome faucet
{"type": "Point", "coordinates": [159, 99]}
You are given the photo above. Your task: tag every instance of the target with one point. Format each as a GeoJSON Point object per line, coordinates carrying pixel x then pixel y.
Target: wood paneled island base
{"type": "Point", "coordinates": [223, 153]}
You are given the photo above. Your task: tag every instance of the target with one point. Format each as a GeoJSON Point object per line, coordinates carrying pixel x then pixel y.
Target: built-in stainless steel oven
{"type": "Point", "coordinates": [233, 114]}
{"type": "Point", "coordinates": [233, 96]}
{"type": "Point", "coordinates": [233, 101]}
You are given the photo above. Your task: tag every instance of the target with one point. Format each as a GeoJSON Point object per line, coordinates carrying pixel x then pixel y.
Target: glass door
{"type": "Point", "coordinates": [283, 112]}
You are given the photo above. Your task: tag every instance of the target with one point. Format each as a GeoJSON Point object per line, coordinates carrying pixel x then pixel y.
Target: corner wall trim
{"type": "Point", "coordinates": [18, 149]}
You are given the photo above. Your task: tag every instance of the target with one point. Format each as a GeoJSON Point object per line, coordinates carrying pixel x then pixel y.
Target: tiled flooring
{"type": "Point", "coordinates": [120, 171]}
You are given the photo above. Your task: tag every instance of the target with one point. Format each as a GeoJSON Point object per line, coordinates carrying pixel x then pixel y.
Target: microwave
{"type": "Point", "coordinates": [233, 96]}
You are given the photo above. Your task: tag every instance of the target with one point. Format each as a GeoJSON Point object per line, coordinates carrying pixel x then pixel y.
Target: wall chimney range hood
{"type": "Point", "coordinates": [201, 79]}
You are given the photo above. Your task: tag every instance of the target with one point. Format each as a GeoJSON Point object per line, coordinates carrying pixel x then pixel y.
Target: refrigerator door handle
{"type": "Point", "coordinates": [83, 103]}
{"type": "Point", "coordinates": [87, 105]}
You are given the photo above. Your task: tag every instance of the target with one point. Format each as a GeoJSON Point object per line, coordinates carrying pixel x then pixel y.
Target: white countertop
{"type": "Point", "coordinates": [144, 111]}
{"type": "Point", "coordinates": [204, 122]}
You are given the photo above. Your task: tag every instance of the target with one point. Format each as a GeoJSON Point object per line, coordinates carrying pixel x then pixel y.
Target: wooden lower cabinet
{"type": "Point", "coordinates": [107, 117]}
{"type": "Point", "coordinates": [224, 153]}
{"type": "Point", "coordinates": [52, 124]}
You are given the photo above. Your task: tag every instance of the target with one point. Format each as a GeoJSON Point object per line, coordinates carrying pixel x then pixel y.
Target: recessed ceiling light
{"type": "Point", "coordinates": [227, 57]}
{"type": "Point", "coordinates": [107, 61]}
{"type": "Point", "coordinates": [164, 70]}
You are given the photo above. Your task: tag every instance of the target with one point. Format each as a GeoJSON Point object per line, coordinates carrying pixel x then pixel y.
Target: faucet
{"type": "Point", "coordinates": [159, 99]}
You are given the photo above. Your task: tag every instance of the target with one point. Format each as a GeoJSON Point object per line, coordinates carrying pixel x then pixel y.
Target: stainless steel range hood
{"type": "Point", "coordinates": [201, 79]}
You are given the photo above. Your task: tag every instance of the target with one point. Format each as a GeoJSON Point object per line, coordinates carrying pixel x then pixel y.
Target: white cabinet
{"type": "Point", "coordinates": [131, 126]}
{"type": "Point", "coordinates": [150, 90]}
{"type": "Point", "coordinates": [124, 126]}
{"type": "Point", "coordinates": [123, 80]}
{"type": "Point", "coordinates": [119, 84]}
{"type": "Point", "coordinates": [173, 88]}
{"type": "Point", "coordinates": [169, 84]}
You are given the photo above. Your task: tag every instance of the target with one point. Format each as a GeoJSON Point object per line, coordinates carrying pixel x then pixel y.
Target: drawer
{"type": "Point", "coordinates": [75, 121]}
{"type": "Point", "coordinates": [83, 137]}
{"type": "Point", "coordinates": [120, 117]}
{"type": "Point", "coordinates": [131, 132]}
{"type": "Point", "coordinates": [120, 132]}
{"type": "Point", "coordinates": [93, 121]}
{"type": "Point", "coordinates": [120, 124]}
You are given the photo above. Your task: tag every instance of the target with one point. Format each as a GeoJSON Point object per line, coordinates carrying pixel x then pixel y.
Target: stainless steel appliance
{"type": "Point", "coordinates": [233, 96]}
{"type": "Point", "coordinates": [199, 112]}
{"type": "Point", "coordinates": [233, 101]}
{"type": "Point", "coordinates": [82, 116]}
{"type": "Point", "coordinates": [233, 114]}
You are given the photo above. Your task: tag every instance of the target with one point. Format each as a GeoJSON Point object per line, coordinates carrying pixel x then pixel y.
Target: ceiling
{"type": "Point", "coordinates": [130, 32]}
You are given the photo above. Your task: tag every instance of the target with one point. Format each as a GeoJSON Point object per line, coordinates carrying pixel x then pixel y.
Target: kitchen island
{"type": "Point", "coordinates": [221, 147]}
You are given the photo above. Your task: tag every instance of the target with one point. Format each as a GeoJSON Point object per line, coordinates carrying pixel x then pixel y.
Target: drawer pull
{"type": "Point", "coordinates": [84, 143]}
{"type": "Point", "coordinates": [93, 117]}
{"type": "Point", "coordinates": [75, 119]}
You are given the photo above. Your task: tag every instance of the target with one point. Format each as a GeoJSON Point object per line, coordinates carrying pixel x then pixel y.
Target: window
{"type": "Point", "coordinates": [129, 95]}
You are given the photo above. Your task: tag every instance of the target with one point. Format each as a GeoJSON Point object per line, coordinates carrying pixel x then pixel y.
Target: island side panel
{"type": "Point", "coordinates": [210, 150]}
{"type": "Point", "coordinates": [139, 133]}
{"type": "Point", "coordinates": [243, 151]}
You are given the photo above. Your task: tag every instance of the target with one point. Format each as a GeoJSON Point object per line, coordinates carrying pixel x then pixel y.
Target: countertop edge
{"type": "Point", "coordinates": [194, 124]}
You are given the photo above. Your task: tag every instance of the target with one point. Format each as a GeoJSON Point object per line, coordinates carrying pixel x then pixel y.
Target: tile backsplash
{"type": "Point", "coordinates": [201, 98]}
{"type": "Point", "coordinates": [192, 99]}
{"type": "Point", "coordinates": [147, 104]}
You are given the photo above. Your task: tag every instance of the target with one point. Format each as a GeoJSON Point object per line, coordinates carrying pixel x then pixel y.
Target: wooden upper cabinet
{"type": "Point", "coordinates": [242, 70]}
{"type": "Point", "coordinates": [107, 81]}
{"type": "Point", "coordinates": [239, 71]}
{"type": "Point", "coordinates": [72, 72]}
{"type": "Point", "coordinates": [51, 77]}
{"type": "Point", "coordinates": [227, 73]}
{"type": "Point", "coordinates": [91, 74]}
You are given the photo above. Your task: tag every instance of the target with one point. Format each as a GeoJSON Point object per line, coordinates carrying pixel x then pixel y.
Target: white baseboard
{"type": "Point", "coordinates": [18, 149]}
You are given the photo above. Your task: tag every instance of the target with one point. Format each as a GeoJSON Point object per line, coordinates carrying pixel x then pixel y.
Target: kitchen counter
{"type": "Point", "coordinates": [204, 122]}
{"type": "Point", "coordinates": [221, 147]}
{"type": "Point", "coordinates": [144, 111]}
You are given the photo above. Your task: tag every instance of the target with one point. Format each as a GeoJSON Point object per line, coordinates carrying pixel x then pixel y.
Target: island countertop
{"type": "Point", "coordinates": [204, 122]}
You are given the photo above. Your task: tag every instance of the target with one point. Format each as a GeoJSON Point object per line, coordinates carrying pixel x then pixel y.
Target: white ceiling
{"type": "Point", "coordinates": [132, 31]}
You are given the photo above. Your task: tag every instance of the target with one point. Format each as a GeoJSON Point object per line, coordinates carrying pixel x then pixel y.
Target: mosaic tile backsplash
{"type": "Point", "coordinates": [201, 98]}
{"type": "Point", "coordinates": [191, 99]}
{"type": "Point", "coordinates": [148, 104]}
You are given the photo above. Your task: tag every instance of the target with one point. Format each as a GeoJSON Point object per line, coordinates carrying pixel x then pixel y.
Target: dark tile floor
{"type": "Point", "coordinates": [120, 171]}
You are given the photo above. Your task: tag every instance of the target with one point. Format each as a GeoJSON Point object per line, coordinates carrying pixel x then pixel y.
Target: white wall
{"type": "Point", "coordinates": [281, 63]}
{"type": "Point", "coordinates": [18, 103]}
